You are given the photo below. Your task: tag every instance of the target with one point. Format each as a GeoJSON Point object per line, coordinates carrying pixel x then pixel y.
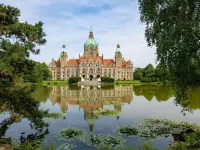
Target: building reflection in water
{"type": "Point", "coordinates": [91, 98]}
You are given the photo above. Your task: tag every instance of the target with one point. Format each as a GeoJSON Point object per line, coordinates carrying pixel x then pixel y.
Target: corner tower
{"type": "Point", "coordinates": [118, 56]}
{"type": "Point", "coordinates": [63, 57]}
{"type": "Point", "coordinates": [91, 46]}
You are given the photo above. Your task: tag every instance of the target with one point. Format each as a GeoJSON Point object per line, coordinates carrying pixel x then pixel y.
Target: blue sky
{"type": "Point", "coordinates": [68, 22]}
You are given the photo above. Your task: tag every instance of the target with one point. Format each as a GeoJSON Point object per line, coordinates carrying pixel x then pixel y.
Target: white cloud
{"type": "Point", "coordinates": [121, 22]}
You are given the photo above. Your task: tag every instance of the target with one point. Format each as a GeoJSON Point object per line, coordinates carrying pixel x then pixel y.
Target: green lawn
{"type": "Point", "coordinates": [135, 82]}
{"type": "Point", "coordinates": [55, 82]}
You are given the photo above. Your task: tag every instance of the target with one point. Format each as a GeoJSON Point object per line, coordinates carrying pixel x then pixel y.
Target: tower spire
{"type": "Point", "coordinates": [91, 30]}
{"type": "Point", "coordinates": [91, 36]}
{"type": "Point", "coordinates": [118, 46]}
{"type": "Point", "coordinates": [64, 48]}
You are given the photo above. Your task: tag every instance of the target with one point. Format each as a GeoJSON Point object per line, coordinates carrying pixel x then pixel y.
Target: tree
{"type": "Point", "coordinates": [148, 73]}
{"type": "Point", "coordinates": [18, 40]}
{"type": "Point", "coordinates": [39, 73]}
{"type": "Point", "coordinates": [173, 27]}
{"type": "Point", "coordinates": [138, 74]}
{"type": "Point", "coordinates": [161, 73]}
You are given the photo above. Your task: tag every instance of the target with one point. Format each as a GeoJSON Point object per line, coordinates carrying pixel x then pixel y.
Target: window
{"type": "Point", "coordinates": [84, 70]}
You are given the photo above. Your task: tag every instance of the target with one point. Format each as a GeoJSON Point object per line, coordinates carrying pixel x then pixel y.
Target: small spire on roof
{"type": "Point", "coordinates": [118, 47]}
{"type": "Point", "coordinates": [63, 46]}
{"type": "Point", "coordinates": [91, 29]}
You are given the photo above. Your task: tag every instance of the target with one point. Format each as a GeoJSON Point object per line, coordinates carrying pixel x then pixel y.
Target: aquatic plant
{"type": "Point", "coordinates": [156, 127]}
{"type": "Point", "coordinates": [55, 115]}
{"type": "Point", "coordinates": [65, 146]}
{"type": "Point", "coordinates": [106, 112]}
{"type": "Point", "coordinates": [103, 140]}
{"type": "Point", "coordinates": [69, 133]}
{"type": "Point", "coordinates": [126, 130]}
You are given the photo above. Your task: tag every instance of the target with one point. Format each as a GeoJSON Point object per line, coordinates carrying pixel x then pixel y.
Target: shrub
{"type": "Point", "coordinates": [107, 79]}
{"type": "Point", "coordinates": [74, 80]}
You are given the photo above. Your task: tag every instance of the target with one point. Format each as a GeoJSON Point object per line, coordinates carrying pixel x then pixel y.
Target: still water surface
{"type": "Point", "coordinates": [79, 103]}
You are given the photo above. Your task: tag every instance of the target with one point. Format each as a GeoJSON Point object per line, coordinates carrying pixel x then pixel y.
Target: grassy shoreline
{"type": "Point", "coordinates": [55, 82]}
{"type": "Point", "coordinates": [118, 82]}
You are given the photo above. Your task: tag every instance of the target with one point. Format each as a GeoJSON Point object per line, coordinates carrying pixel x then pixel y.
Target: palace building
{"type": "Point", "coordinates": [91, 65]}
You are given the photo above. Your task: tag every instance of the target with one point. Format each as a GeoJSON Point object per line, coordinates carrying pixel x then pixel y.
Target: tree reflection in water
{"type": "Point", "coordinates": [19, 104]}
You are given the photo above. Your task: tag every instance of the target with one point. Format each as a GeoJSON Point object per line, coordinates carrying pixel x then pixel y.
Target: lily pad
{"type": "Point", "coordinates": [153, 128]}
{"type": "Point", "coordinates": [103, 140]}
{"type": "Point", "coordinates": [106, 112]}
{"type": "Point", "coordinates": [126, 130]}
{"type": "Point", "coordinates": [69, 133]}
{"type": "Point", "coordinates": [66, 146]}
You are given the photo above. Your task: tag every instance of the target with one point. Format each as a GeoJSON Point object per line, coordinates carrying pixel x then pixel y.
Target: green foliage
{"type": "Point", "coordinates": [126, 130]}
{"type": "Point", "coordinates": [107, 80]}
{"type": "Point", "coordinates": [106, 112]}
{"type": "Point", "coordinates": [39, 73]}
{"type": "Point", "coordinates": [154, 128]}
{"type": "Point", "coordinates": [173, 27]}
{"type": "Point", "coordinates": [146, 146]}
{"type": "Point", "coordinates": [66, 146]}
{"type": "Point", "coordinates": [149, 74]}
{"type": "Point", "coordinates": [138, 74]}
{"type": "Point", "coordinates": [55, 115]}
{"type": "Point", "coordinates": [74, 80]}
{"type": "Point", "coordinates": [103, 141]}
{"type": "Point", "coordinates": [18, 40]}
{"type": "Point", "coordinates": [54, 82]}
{"type": "Point", "coordinates": [28, 146]}
{"type": "Point", "coordinates": [69, 133]}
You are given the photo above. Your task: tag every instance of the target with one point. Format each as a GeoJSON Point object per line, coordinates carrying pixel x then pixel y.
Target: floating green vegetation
{"type": "Point", "coordinates": [153, 128]}
{"type": "Point", "coordinates": [106, 112]}
{"type": "Point", "coordinates": [126, 130]}
{"type": "Point", "coordinates": [103, 140]}
{"type": "Point", "coordinates": [55, 115]}
{"type": "Point", "coordinates": [69, 133]}
{"type": "Point", "coordinates": [65, 146]}
{"type": "Point", "coordinates": [112, 103]}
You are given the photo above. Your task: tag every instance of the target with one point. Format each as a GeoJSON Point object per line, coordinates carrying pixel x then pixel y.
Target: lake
{"type": "Point", "coordinates": [79, 103]}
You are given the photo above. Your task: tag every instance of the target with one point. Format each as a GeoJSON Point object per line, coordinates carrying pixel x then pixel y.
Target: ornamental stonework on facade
{"type": "Point", "coordinates": [91, 65]}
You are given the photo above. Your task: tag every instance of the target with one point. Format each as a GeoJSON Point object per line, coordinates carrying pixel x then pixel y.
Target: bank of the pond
{"type": "Point", "coordinates": [55, 82]}
{"type": "Point", "coordinates": [136, 82]}
{"type": "Point", "coordinates": [118, 82]}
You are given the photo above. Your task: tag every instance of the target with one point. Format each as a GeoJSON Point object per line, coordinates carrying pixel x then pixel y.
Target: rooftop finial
{"type": "Point", "coordinates": [63, 46]}
{"type": "Point", "coordinates": [91, 29]}
{"type": "Point", "coordinates": [91, 36]}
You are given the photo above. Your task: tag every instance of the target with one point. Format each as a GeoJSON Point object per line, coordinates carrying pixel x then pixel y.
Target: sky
{"type": "Point", "coordinates": [69, 21]}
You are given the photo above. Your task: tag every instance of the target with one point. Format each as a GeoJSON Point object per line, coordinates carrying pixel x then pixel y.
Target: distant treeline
{"type": "Point", "coordinates": [150, 74]}
{"type": "Point", "coordinates": [37, 72]}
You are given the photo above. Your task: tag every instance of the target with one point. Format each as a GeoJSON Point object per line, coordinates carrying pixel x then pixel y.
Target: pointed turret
{"type": "Point", "coordinates": [91, 36]}
{"type": "Point", "coordinates": [63, 56]}
{"type": "Point", "coordinates": [118, 56]}
{"type": "Point", "coordinates": [118, 47]}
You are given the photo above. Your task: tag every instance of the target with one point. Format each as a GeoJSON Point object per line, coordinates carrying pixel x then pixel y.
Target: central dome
{"type": "Point", "coordinates": [91, 42]}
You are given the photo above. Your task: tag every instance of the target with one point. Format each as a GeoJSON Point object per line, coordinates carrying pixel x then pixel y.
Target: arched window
{"type": "Point", "coordinates": [84, 70]}
{"type": "Point", "coordinates": [98, 70]}
{"type": "Point", "coordinates": [91, 70]}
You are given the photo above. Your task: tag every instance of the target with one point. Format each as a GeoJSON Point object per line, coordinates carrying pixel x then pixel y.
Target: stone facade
{"type": "Point", "coordinates": [91, 64]}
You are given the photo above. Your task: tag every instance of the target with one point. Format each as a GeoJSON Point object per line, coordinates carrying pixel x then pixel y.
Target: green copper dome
{"type": "Point", "coordinates": [91, 42]}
